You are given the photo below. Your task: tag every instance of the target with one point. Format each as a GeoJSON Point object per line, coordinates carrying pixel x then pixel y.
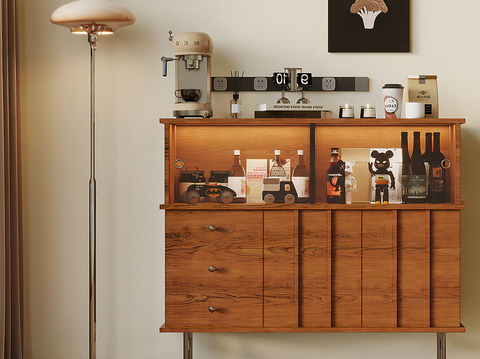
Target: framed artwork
{"type": "Point", "coordinates": [368, 25]}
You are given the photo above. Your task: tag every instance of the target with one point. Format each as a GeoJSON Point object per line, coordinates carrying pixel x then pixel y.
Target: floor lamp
{"type": "Point", "coordinates": [94, 18]}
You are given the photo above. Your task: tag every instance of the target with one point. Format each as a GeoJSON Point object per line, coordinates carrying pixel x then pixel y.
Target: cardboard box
{"type": "Point", "coordinates": [423, 88]}
{"type": "Point", "coordinates": [257, 170]}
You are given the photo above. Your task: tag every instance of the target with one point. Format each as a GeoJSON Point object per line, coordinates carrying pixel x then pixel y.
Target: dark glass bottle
{"type": "Point", "coordinates": [336, 179]}
{"type": "Point", "coordinates": [301, 179]}
{"type": "Point", "coordinates": [417, 189]}
{"type": "Point", "coordinates": [426, 158]}
{"type": "Point", "coordinates": [436, 172]}
{"type": "Point", "coordinates": [406, 167]}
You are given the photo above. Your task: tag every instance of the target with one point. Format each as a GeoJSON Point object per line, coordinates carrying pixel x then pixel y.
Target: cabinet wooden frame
{"type": "Point", "coordinates": [313, 267]}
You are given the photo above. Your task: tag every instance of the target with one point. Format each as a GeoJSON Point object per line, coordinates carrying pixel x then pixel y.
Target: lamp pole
{"type": "Point", "coordinates": [92, 39]}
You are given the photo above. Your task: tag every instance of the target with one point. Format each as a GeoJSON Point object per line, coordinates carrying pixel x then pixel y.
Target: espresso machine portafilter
{"type": "Point", "coordinates": [193, 82]}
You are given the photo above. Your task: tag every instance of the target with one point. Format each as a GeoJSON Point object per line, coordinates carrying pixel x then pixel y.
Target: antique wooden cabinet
{"type": "Point", "coordinates": [313, 267]}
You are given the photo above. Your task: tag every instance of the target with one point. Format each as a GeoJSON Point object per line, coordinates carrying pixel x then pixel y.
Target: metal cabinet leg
{"type": "Point", "coordinates": [441, 346]}
{"type": "Point", "coordinates": [187, 345]}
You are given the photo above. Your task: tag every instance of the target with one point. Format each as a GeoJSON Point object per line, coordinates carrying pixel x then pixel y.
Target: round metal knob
{"type": "Point", "coordinates": [211, 228]}
{"type": "Point", "coordinates": [212, 309]}
{"type": "Point", "coordinates": [212, 268]}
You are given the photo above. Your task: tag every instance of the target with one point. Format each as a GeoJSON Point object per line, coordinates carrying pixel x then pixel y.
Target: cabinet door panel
{"type": "Point", "coordinates": [314, 269]}
{"type": "Point", "coordinates": [280, 268]}
{"type": "Point", "coordinates": [346, 268]}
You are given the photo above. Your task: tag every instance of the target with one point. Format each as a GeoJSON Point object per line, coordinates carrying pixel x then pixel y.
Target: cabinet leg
{"type": "Point", "coordinates": [187, 345]}
{"type": "Point", "coordinates": [441, 346]}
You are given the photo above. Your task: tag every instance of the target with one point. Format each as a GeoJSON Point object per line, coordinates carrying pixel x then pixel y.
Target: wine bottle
{"type": "Point", "coordinates": [301, 179]}
{"type": "Point", "coordinates": [236, 178]}
{"type": "Point", "coordinates": [436, 172]}
{"type": "Point", "coordinates": [406, 167]}
{"type": "Point", "coordinates": [417, 189]}
{"type": "Point", "coordinates": [277, 169]}
{"type": "Point", "coordinates": [336, 179]}
{"type": "Point", "coordinates": [426, 158]}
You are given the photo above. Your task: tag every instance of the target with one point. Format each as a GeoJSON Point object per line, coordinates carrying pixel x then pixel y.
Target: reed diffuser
{"type": "Point", "coordinates": [235, 103]}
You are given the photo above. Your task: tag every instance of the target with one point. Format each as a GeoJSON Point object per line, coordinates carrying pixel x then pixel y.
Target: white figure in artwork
{"type": "Point", "coordinates": [368, 11]}
{"type": "Point", "coordinates": [350, 182]}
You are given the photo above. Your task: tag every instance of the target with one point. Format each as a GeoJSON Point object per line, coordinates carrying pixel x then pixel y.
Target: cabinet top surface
{"type": "Point", "coordinates": [316, 121]}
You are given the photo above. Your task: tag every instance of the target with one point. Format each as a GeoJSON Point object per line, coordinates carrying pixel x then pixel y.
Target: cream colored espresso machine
{"type": "Point", "coordinates": [193, 82]}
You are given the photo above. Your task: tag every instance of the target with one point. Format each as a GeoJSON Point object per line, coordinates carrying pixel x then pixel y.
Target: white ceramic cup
{"type": "Point", "coordinates": [414, 110]}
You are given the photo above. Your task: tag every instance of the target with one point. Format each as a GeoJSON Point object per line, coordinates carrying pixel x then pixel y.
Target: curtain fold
{"type": "Point", "coordinates": [11, 250]}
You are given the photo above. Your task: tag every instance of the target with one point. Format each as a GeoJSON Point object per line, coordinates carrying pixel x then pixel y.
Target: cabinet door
{"type": "Point", "coordinates": [214, 275]}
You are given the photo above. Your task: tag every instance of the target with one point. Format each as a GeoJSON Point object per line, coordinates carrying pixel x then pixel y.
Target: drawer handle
{"type": "Point", "coordinates": [212, 309]}
{"type": "Point", "coordinates": [212, 228]}
{"type": "Point", "coordinates": [212, 268]}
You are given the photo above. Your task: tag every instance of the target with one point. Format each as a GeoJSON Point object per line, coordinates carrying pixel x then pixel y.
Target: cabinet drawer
{"type": "Point", "coordinates": [202, 267]}
{"type": "Point", "coordinates": [242, 229]}
{"type": "Point", "coordinates": [200, 309]}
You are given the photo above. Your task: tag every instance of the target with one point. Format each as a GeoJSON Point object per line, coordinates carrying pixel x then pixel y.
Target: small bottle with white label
{"type": "Point", "coordinates": [301, 179]}
{"type": "Point", "coordinates": [237, 179]}
{"type": "Point", "coordinates": [277, 169]}
{"type": "Point", "coordinates": [235, 107]}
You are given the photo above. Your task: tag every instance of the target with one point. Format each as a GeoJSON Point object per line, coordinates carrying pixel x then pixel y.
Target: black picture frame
{"type": "Point", "coordinates": [347, 32]}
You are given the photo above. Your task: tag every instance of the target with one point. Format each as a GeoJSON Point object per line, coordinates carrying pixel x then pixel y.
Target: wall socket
{"type": "Point", "coordinates": [220, 84]}
{"type": "Point", "coordinates": [260, 83]}
{"type": "Point", "coordinates": [328, 83]}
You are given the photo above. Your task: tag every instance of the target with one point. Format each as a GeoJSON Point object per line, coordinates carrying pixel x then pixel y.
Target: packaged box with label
{"type": "Point", "coordinates": [257, 170]}
{"type": "Point", "coordinates": [423, 88]}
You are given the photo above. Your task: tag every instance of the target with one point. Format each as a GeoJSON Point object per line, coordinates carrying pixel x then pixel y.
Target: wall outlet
{"type": "Point", "coordinates": [260, 83]}
{"type": "Point", "coordinates": [220, 84]}
{"type": "Point", "coordinates": [328, 83]}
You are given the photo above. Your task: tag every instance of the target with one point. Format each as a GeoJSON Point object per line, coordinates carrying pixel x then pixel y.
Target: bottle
{"type": "Point", "coordinates": [426, 158]}
{"type": "Point", "coordinates": [436, 172]}
{"type": "Point", "coordinates": [406, 167]}
{"type": "Point", "coordinates": [335, 179]}
{"type": "Point", "coordinates": [235, 107]}
{"type": "Point", "coordinates": [301, 179]}
{"type": "Point", "coordinates": [277, 169]}
{"type": "Point", "coordinates": [236, 178]}
{"type": "Point", "coordinates": [417, 189]}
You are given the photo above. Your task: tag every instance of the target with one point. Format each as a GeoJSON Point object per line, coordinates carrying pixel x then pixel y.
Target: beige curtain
{"type": "Point", "coordinates": [11, 263]}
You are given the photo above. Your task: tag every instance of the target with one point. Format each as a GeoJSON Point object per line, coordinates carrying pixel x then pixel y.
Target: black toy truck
{"type": "Point", "coordinates": [275, 190]}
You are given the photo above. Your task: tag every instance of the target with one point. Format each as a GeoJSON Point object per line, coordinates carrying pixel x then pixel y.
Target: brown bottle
{"type": "Point", "coordinates": [336, 179]}
{"type": "Point", "coordinates": [236, 178]}
{"type": "Point", "coordinates": [301, 179]}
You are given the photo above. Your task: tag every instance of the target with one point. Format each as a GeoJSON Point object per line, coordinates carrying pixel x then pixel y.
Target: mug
{"type": "Point", "coordinates": [188, 95]}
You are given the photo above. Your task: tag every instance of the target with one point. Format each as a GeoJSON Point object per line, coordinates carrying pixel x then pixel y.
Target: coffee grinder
{"type": "Point", "coordinates": [193, 52]}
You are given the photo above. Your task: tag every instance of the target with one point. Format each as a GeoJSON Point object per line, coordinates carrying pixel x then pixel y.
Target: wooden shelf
{"type": "Point", "coordinates": [306, 206]}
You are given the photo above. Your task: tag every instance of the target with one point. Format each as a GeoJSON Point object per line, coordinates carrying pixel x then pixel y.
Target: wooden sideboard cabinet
{"type": "Point", "coordinates": [312, 267]}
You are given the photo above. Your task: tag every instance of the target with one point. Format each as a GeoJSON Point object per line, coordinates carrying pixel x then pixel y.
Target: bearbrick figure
{"type": "Point", "coordinates": [382, 174]}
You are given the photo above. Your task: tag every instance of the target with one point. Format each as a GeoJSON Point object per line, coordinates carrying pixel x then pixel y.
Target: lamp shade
{"type": "Point", "coordinates": [84, 16]}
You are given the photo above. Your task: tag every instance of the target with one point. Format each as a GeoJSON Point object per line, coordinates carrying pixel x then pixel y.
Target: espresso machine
{"type": "Point", "coordinates": [193, 52]}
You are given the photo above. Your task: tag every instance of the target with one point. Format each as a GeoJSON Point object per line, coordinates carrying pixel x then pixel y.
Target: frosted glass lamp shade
{"type": "Point", "coordinates": [84, 16]}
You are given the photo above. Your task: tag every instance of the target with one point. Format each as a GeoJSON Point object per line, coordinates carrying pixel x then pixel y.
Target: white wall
{"type": "Point", "coordinates": [259, 37]}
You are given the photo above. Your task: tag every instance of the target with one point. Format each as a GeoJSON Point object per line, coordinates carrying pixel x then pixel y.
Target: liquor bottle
{"type": "Point", "coordinates": [336, 179]}
{"type": "Point", "coordinates": [277, 169]}
{"type": "Point", "coordinates": [436, 172]}
{"type": "Point", "coordinates": [426, 158]}
{"type": "Point", "coordinates": [236, 178]}
{"type": "Point", "coordinates": [406, 167]}
{"type": "Point", "coordinates": [301, 179]}
{"type": "Point", "coordinates": [417, 189]}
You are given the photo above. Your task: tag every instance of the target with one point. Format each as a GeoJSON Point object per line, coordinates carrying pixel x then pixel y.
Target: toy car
{"type": "Point", "coordinates": [223, 194]}
{"type": "Point", "coordinates": [275, 190]}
